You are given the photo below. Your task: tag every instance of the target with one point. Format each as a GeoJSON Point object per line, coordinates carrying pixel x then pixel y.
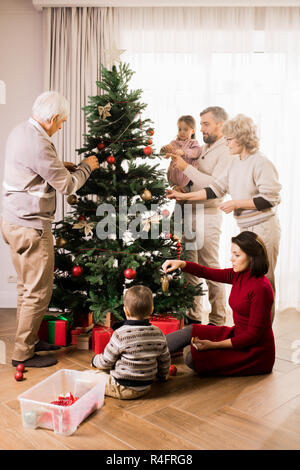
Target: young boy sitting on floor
{"type": "Point", "coordinates": [137, 352]}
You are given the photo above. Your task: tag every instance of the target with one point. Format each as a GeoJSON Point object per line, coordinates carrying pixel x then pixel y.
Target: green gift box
{"type": "Point", "coordinates": [56, 329]}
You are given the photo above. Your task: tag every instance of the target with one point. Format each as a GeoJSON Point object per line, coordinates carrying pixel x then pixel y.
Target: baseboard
{"type": "Point", "coordinates": [8, 299]}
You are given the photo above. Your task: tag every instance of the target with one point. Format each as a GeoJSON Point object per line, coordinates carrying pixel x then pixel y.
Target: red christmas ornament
{"type": "Point", "coordinates": [77, 271]}
{"type": "Point", "coordinates": [101, 146]}
{"type": "Point", "coordinates": [18, 376]}
{"type": "Point", "coordinates": [129, 273]}
{"type": "Point", "coordinates": [111, 159]}
{"type": "Point", "coordinates": [150, 131]}
{"type": "Point", "coordinates": [20, 367]}
{"type": "Point", "coordinates": [67, 400]}
{"type": "Point", "coordinates": [178, 250]}
{"type": "Point", "coordinates": [81, 217]}
{"type": "Point", "coordinates": [147, 150]}
{"type": "Point", "coordinates": [172, 370]}
{"type": "Point", "coordinates": [150, 141]}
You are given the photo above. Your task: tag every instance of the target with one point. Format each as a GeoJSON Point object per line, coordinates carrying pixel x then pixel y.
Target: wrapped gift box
{"type": "Point", "coordinates": [84, 341]}
{"type": "Point", "coordinates": [55, 329]}
{"type": "Point", "coordinates": [80, 330]}
{"type": "Point", "coordinates": [100, 338]}
{"type": "Point", "coordinates": [167, 323]}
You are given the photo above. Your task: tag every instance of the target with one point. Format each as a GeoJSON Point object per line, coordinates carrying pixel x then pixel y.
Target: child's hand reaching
{"type": "Point", "coordinates": [179, 152]}
{"type": "Point", "coordinates": [168, 148]}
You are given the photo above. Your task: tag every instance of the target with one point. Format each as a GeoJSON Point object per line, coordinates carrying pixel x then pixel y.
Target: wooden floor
{"type": "Point", "coordinates": [188, 412]}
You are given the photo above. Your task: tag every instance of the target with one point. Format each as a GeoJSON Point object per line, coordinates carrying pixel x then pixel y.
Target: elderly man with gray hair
{"type": "Point", "coordinates": [32, 175]}
{"type": "Point", "coordinates": [214, 158]}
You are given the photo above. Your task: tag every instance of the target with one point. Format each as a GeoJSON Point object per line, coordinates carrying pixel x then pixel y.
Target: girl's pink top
{"type": "Point", "coordinates": [192, 151]}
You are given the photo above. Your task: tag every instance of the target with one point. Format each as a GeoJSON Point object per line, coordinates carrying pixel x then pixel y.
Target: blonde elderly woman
{"type": "Point", "coordinates": [252, 181]}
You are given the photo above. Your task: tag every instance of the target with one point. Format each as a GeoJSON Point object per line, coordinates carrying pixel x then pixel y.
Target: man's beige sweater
{"type": "Point", "coordinates": [32, 175]}
{"type": "Point", "coordinates": [211, 165]}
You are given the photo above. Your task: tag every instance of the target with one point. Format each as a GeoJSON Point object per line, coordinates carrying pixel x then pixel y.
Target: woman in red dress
{"type": "Point", "coordinates": [248, 347]}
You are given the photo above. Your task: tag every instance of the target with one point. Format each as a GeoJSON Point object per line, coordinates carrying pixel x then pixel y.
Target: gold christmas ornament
{"type": "Point", "coordinates": [60, 242]}
{"type": "Point", "coordinates": [155, 219]}
{"type": "Point", "coordinates": [164, 284]}
{"type": "Point", "coordinates": [104, 111]}
{"type": "Point", "coordinates": [72, 199]}
{"type": "Point", "coordinates": [146, 196]}
{"type": "Point", "coordinates": [88, 227]}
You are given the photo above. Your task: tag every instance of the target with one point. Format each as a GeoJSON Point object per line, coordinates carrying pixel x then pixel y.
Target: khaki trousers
{"type": "Point", "coordinates": [208, 256]}
{"type": "Point", "coordinates": [269, 231]}
{"type": "Point", "coordinates": [115, 390]}
{"type": "Point", "coordinates": [32, 255]}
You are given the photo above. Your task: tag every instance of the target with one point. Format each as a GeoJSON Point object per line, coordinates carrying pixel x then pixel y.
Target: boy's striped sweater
{"type": "Point", "coordinates": [136, 354]}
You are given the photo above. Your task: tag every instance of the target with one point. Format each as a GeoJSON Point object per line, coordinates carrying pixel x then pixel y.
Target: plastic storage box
{"type": "Point", "coordinates": [37, 410]}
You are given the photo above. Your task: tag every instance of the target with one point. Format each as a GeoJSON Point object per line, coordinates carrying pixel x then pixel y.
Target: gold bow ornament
{"type": "Point", "coordinates": [104, 111]}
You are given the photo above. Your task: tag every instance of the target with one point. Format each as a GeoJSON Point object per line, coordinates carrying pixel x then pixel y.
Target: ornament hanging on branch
{"type": "Point", "coordinates": [164, 284]}
{"type": "Point", "coordinates": [72, 199]}
{"type": "Point", "coordinates": [88, 227]}
{"type": "Point", "coordinates": [60, 242]}
{"type": "Point", "coordinates": [150, 131]}
{"type": "Point", "coordinates": [111, 160]}
{"type": "Point", "coordinates": [146, 196]}
{"type": "Point", "coordinates": [178, 249]}
{"type": "Point", "coordinates": [156, 218]}
{"type": "Point", "coordinates": [101, 146]}
{"type": "Point", "coordinates": [148, 150]}
{"type": "Point", "coordinates": [77, 271]}
{"type": "Point", "coordinates": [130, 273]}
{"type": "Point", "coordinates": [104, 111]}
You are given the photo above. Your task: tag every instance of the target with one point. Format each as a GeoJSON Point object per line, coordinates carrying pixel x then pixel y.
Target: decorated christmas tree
{"type": "Point", "coordinates": [119, 231]}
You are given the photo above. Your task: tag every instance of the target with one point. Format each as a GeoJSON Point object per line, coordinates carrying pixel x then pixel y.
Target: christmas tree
{"type": "Point", "coordinates": [118, 233]}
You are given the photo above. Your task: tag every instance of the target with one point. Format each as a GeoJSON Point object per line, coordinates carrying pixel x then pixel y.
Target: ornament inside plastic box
{"type": "Point", "coordinates": [37, 410]}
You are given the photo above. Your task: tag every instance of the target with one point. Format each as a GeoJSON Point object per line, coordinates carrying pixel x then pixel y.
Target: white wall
{"type": "Point", "coordinates": [21, 70]}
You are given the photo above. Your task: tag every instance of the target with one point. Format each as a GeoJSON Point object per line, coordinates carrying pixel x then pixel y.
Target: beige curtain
{"type": "Point", "coordinates": [75, 40]}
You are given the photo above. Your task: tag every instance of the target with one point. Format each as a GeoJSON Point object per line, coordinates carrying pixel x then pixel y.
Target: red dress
{"type": "Point", "coordinates": [252, 338]}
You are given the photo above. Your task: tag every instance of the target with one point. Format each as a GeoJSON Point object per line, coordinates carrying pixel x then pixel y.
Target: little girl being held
{"type": "Point", "coordinates": [186, 146]}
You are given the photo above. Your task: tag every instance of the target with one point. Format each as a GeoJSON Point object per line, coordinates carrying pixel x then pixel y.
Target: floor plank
{"type": "Point", "coordinates": [145, 436]}
{"type": "Point", "coordinates": [266, 436]}
{"type": "Point", "coordinates": [198, 431]}
{"type": "Point", "coordinates": [14, 436]}
{"type": "Point", "coordinates": [270, 395]}
{"type": "Point", "coordinates": [187, 412]}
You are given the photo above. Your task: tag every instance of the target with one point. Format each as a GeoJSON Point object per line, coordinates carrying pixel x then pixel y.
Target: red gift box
{"type": "Point", "coordinates": [100, 338]}
{"type": "Point", "coordinates": [55, 330]}
{"type": "Point", "coordinates": [167, 324]}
